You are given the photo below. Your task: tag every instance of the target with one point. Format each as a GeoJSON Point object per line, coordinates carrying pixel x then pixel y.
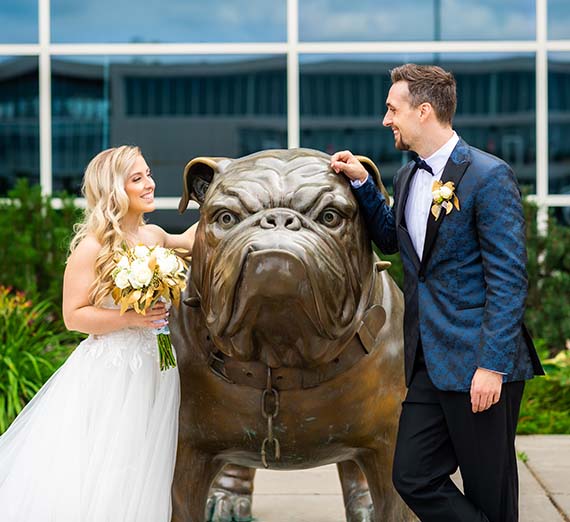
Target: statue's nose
{"type": "Point", "coordinates": [280, 219]}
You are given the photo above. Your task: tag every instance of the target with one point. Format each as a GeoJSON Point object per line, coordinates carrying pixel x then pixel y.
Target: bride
{"type": "Point", "coordinates": [98, 441]}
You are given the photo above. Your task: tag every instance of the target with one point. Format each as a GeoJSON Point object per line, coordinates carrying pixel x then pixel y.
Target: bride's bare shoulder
{"type": "Point", "coordinates": [88, 247]}
{"type": "Point", "coordinates": [154, 235]}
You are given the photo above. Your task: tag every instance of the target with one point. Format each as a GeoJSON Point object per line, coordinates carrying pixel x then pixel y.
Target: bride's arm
{"type": "Point", "coordinates": [184, 240]}
{"type": "Point", "coordinates": [79, 314]}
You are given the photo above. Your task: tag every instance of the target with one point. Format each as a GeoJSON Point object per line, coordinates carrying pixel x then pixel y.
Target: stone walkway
{"type": "Point", "coordinates": [315, 496]}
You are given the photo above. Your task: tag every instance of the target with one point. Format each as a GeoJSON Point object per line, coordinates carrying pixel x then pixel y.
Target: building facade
{"type": "Point", "coordinates": [232, 77]}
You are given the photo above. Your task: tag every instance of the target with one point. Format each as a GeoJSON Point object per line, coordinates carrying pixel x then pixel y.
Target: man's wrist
{"type": "Point", "coordinates": [357, 183]}
{"type": "Point", "coordinates": [492, 371]}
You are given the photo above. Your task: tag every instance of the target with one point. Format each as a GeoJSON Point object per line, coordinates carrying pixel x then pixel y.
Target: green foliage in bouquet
{"type": "Point", "coordinates": [31, 349]}
{"type": "Point", "coordinates": [35, 238]}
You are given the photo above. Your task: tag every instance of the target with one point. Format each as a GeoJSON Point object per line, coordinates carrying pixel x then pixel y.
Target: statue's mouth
{"type": "Point", "coordinates": [277, 310]}
{"type": "Point", "coordinates": [273, 278]}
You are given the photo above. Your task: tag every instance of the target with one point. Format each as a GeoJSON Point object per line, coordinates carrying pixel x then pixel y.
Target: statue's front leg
{"type": "Point", "coordinates": [193, 475]}
{"type": "Point", "coordinates": [357, 500]}
{"type": "Point", "coordinates": [230, 497]}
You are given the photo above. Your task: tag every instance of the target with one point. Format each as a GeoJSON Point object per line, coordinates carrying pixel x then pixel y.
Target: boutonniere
{"type": "Point", "coordinates": [443, 196]}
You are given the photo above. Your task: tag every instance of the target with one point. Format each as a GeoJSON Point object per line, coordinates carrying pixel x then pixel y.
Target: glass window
{"type": "Point", "coordinates": [19, 21]}
{"type": "Point", "coordinates": [172, 221]}
{"type": "Point", "coordinates": [343, 102]}
{"type": "Point", "coordinates": [562, 215]}
{"type": "Point", "coordinates": [558, 19]}
{"type": "Point", "coordinates": [559, 123]}
{"type": "Point", "coordinates": [385, 20]}
{"type": "Point", "coordinates": [174, 108]}
{"type": "Point", "coordinates": [111, 21]}
{"type": "Point", "coordinates": [19, 121]}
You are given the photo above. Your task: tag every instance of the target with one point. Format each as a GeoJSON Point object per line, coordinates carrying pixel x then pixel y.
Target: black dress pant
{"type": "Point", "coordinates": [438, 433]}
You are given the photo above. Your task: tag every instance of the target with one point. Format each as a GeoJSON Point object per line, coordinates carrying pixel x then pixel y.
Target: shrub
{"type": "Point", "coordinates": [548, 305]}
{"type": "Point", "coordinates": [35, 239]}
{"type": "Point", "coordinates": [31, 349]}
{"type": "Point", "coordinates": [545, 406]}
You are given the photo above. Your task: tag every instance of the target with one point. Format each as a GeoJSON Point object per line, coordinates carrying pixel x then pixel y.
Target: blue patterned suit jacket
{"type": "Point", "coordinates": [465, 299]}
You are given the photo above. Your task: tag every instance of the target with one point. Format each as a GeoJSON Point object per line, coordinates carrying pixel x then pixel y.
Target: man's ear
{"type": "Point", "coordinates": [373, 171]}
{"type": "Point", "coordinates": [198, 174]}
{"type": "Point", "coordinates": [425, 110]}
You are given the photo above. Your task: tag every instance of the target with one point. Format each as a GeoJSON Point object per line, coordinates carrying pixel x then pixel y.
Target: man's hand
{"type": "Point", "coordinates": [485, 389]}
{"type": "Point", "coordinates": [346, 163]}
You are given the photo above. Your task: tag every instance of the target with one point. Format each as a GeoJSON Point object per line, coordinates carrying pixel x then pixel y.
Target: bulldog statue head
{"type": "Point", "coordinates": [281, 261]}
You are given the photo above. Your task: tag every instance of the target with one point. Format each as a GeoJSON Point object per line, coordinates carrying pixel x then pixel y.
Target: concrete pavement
{"type": "Point", "coordinates": [315, 496]}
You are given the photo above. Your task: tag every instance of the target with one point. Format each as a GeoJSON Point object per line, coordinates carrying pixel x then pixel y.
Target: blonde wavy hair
{"type": "Point", "coordinates": [107, 204]}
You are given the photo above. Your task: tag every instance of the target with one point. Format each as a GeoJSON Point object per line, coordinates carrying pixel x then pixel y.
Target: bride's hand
{"type": "Point", "coordinates": [156, 317]}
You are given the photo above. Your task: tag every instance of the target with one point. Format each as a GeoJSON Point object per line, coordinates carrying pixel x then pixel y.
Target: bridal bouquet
{"type": "Point", "coordinates": [143, 276]}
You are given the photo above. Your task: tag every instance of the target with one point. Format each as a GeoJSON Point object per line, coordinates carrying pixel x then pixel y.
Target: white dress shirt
{"type": "Point", "coordinates": [419, 202]}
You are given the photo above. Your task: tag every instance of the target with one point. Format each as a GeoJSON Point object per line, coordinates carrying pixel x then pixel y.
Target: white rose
{"type": "Point", "coordinates": [167, 264]}
{"type": "Point", "coordinates": [122, 278]}
{"type": "Point", "coordinates": [140, 274]}
{"type": "Point", "coordinates": [437, 195]}
{"type": "Point", "coordinates": [142, 251]}
{"type": "Point", "coordinates": [446, 192]}
{"type": "Point", "coordinates": [123, 262]}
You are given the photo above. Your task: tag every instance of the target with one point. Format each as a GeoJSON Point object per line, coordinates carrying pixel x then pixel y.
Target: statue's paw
{"type": "Point", "coordinates": [360, 508]}
{"type": "Point", "coordinates": [225, 506]}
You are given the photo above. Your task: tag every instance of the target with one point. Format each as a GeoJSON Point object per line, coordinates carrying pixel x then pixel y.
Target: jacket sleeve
{"type": "Point", "coordinates": [378, 216]}
{"type": "Point", "coordinates": [501, 230]}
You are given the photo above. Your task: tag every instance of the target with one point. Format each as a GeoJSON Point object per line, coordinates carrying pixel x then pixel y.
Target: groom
{"type": "Point", "coordinates": [457, 220]}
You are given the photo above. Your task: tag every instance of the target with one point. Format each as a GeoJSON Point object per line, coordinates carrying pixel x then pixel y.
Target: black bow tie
{"type": "Point", "coordinates": [421, 164]}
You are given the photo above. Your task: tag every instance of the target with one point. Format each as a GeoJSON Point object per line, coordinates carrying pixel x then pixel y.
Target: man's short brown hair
{"type": "Point", "coordinates": [431, 84]}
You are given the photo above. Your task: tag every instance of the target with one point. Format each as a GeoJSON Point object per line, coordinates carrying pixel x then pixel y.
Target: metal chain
{"type": "Point", "coordinates": [270, 413]}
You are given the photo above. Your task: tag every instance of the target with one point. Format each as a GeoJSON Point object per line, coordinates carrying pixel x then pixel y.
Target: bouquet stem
{"type": "Point", "coordinates": [167, 359]}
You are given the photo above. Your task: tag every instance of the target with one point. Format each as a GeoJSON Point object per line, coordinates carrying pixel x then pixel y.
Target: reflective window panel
{"type": "Point", "coordinates": [559, 123]}
{"type": "Point", "coordinates": [172, 221]}
{"type": "Point", "coordinates": [18, 21]}
{"type": "Point", "coordinates": [562, 215]}
{"type": "Point", "coordinates": [343, 102]}
{"type": "Point", "coordinates": [385, 20]}
{"type": "Point", "coordinates": [558, 19]}
{"type": "Point", "coordinates": [110, 21]}
{"type": "Point", "coordinates": [19, 121]}
{"type": "Point", "coordinates": [174, 108]}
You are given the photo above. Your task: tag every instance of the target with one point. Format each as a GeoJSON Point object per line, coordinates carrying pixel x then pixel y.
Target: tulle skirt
{"type": "Point", "coordinates": [98, 441]}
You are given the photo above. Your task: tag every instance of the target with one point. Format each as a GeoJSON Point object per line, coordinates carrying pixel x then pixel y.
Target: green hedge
{"type": "Point", "coordinates": [546, 402]}
{"type": "Point", "coordinates": [35, 238]}
{"type": "Point", "coordinates": [548, 303]}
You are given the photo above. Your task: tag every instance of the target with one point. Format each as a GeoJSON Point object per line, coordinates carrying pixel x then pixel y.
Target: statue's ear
{"type": "Point", "coordinates": [198, 174]}
{"type": "Point", "coordinates": [373, 171]}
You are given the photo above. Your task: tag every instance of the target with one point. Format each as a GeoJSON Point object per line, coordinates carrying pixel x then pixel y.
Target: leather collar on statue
{"type": "Point", "coordinates": [254, 373]}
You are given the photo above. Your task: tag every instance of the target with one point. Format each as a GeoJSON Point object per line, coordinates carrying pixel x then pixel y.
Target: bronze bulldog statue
{"type": "Point", "coordinates": [289, 340]}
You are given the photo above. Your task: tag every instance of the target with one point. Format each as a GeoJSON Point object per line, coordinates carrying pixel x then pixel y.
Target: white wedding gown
{"type": "Point", "coordinates": [98, 441]}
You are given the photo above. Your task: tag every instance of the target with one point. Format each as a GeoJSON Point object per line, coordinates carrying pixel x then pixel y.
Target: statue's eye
{"type": "Point", "coordinates": [227, 219]}
{"type": "Point", "coordinates": [330, 218]}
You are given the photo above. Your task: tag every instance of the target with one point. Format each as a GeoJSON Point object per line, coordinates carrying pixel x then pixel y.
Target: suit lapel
{"type": "Point", "coordinates": [453, 171]}
{"type": "Point", "coordinates": [406, 178]}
